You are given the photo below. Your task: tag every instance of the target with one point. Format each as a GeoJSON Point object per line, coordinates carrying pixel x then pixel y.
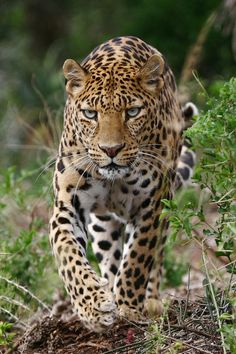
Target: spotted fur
{"type": "Point", "coordinates": [117, 159]}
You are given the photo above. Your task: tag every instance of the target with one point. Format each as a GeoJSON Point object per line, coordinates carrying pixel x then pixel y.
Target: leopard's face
{"type": "Point", "coordinates": [113, 122]}
{"type": "Point", "coordinates": [111, 136]}
{"type": "Point", "coordinates": [113, 110]}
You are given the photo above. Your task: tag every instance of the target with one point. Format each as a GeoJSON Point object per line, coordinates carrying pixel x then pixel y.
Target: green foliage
{"type": "Point", "coordinates": [91, 257]}
{"type": "Point", "coordinates": [181, 217]}
{"type": "Point", "coordinates": [25, 252]}
{"type": "Point", "coordinates": [174, 267]}
{"type": "Point", "coordinates": [180, 212]}
{"type": "Point", "coordinates": [213, 135]}
{"type": "Point", "coordinates": [6, 337]}
{"type": "Point", "coordinates": [229, 333]}
{"type": "Point", "coordinates": [229, 317]}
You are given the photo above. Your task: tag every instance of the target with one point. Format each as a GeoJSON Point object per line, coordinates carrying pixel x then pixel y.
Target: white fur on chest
{"type": "Point", "coordinates": [115, 197]}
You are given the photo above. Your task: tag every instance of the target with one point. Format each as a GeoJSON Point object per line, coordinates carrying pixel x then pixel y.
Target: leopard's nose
{"type": "Point", "coordinates": [111, 151]}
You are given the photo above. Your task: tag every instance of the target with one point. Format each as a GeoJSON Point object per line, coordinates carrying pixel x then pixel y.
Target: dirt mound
{"type": "Point", "coordinates": [187, 327]}
{"type": "Point", "coordinates": [52, 336]}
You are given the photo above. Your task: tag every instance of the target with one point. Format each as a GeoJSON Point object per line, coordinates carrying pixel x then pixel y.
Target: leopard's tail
{"type": "Point", "coordinates": [187, 158]}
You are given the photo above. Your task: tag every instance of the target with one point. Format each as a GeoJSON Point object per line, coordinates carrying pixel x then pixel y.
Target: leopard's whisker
{"type": "Point", "coordinates": [158, 158]}
{"type": "Point", "coordinates": [82, 175]}
{"type": "Point", "coordinates": [50, 163]}
{"type": "Point", "coordinates": [79, 162]}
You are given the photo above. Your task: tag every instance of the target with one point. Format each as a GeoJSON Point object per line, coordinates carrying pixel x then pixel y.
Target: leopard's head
{"type": "Point", "coordinates": [113, 110]}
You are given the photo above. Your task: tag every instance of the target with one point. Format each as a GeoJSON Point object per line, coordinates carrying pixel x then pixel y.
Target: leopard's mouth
{"type": "Point", "coordinates": [114, 166]}
{"type": "Point", "coordinates": [113, 170]}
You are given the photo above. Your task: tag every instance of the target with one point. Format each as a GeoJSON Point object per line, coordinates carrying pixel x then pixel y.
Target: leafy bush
{"type": "Point", "coordinates": [214, 136]}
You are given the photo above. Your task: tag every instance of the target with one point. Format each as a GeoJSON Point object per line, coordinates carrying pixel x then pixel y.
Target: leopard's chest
{"type": "Point", "coordinates": [122, 197]}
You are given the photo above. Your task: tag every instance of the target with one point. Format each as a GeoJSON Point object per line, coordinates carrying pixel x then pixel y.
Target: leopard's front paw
{"type": "Point", "coordinates": [126, 312]}
{"type": "Point", "coordinates": [96, 307]}
{"type": "Point", "coordinates": [153, 307]}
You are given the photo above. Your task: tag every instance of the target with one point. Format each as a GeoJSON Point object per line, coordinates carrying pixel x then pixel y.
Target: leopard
{"type": "Point", "coordinates": [119, 156]}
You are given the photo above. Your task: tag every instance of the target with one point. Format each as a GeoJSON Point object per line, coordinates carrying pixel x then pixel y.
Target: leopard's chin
{"type": "Point", "coordinates": [113, 171]}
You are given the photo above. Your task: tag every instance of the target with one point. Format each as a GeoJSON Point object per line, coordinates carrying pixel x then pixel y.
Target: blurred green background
{"type": "Point", "coordinates": [36, 37]}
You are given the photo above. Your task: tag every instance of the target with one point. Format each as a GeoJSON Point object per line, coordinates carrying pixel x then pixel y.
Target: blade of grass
{"type": "Point", "coordinates": [214, 300]}
{"type": "Point", "coordinates": [22, 288]}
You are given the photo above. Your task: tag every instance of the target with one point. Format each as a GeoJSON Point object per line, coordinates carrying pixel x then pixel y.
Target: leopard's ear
{"type": "Point", "coordinates": [150, 75]}
{"type": "Point", "coordinates": [75, 76]}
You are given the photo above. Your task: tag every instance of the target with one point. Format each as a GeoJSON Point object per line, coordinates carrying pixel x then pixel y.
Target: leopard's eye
{"type": "Point", "coordinates": [89, 113]}
{"type": "Point", "coordinates": [133, 112]}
